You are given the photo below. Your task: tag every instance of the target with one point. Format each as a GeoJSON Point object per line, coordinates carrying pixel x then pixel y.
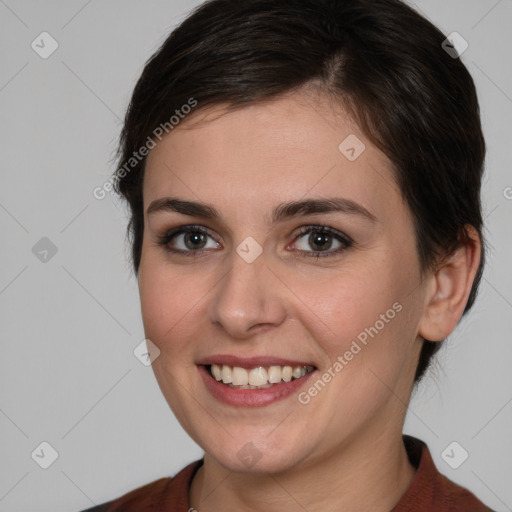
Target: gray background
{"type": "Point", "coordinates": [69, 325]}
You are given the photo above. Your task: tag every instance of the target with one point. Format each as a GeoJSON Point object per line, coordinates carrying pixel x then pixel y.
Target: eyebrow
{"type": "Point", "coordinates": [281, 212]}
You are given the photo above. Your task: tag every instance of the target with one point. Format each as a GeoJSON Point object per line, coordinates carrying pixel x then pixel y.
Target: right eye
{"type": "Point", "coordinates": [190, 240]}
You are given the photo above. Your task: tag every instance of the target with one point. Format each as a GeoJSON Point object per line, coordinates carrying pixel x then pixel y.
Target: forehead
{"type": "Point", "coordinates": [302, 144]}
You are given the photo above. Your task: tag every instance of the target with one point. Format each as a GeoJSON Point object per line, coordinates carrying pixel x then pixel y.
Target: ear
{"type": "Point", "coordinates": [450, 287]}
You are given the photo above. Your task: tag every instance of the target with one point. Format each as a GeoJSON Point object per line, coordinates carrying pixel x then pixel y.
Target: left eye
{"type": "Point", "coordinates": [321, 239]}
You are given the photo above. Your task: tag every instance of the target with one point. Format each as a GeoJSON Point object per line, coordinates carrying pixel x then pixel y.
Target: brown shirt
{"type": "Point", "coordinates": [430, 491]}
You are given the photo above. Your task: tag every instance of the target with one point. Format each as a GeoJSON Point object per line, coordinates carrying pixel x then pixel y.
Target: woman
{"type": "Point", "coordinates": [304, 184]}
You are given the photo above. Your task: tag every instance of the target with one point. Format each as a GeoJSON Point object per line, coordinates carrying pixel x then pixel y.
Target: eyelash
{"type": "Point", "coordinates": [347, 242]}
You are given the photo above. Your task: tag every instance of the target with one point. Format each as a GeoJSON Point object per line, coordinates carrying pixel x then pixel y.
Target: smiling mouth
{"type": "Point", "coordinates": [260, 377]}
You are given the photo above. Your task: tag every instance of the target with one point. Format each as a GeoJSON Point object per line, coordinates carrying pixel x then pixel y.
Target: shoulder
{"type": "Point", "coordinates": [98, 508]}
{"type": "Point", "coordinates": [164, 492]}
{"type": "Point", "coordinates": [430, 489]}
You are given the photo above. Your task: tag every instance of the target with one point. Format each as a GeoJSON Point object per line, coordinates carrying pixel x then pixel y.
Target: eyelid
{"type": "Point", "coordinates": [303, 230]}
{"type": "Point", "coordinates": [341, 237]}
{"type": "Point", "coordinates": [168, 235]}
{"type": "Point", "coordinates": [164, 240]}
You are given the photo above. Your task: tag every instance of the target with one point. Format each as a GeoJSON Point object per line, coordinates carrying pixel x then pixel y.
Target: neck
{"type": "Point", "coordinates": [371, 472]}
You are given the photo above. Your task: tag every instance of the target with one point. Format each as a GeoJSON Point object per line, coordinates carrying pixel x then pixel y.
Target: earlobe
{"type": "Point", "coordinates": [450, 288]}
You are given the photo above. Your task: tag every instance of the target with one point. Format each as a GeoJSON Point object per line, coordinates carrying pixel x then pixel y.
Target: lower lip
{"type": "Point", "coordinates": [251, 397]}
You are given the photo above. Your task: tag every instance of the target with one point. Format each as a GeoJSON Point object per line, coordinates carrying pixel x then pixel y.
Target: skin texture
{"type": "Point", "coordinates": [342, 450]}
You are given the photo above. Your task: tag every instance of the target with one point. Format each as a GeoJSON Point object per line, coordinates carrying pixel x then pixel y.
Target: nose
{"type": "Point", "coordinates": [248, 299]}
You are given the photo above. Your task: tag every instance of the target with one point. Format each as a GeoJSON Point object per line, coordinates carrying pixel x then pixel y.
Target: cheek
{"type": "Point", "coordinates": [343, 304]}
{"type": "Point", "coordinates": [366, 317]}
{"type": "Point", "coordinates": [170, 312]}
{"type": "Point", "coordinates": [169, 302]}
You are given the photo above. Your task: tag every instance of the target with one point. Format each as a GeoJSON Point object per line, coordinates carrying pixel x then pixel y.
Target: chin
{"type": "Point", "coordinates": [251, 460]}
{"type": "Point", "coordinates": [258, 454]}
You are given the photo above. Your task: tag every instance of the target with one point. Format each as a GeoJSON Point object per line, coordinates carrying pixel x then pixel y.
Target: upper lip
{"type": "Point", "coordinates": [251, 362]}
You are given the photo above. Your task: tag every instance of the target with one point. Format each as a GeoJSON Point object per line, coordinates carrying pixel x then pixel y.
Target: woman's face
{"type": "Point", "coordinates": [245, 288]}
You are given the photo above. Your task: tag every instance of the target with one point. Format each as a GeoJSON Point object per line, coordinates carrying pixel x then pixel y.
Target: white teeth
{"type": "Point", "coordinates": [226, 374]}
{"type": "Point", "coordinates": [286, 374]}
{"type": "Point", "coordinates": [217, 374]}
{"type": "Point", "coordinates": [259, 377]}
{"type": "Point", "coordinates": [240, 376]}
{"type": "Point", "coordinates": [274, 374]}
